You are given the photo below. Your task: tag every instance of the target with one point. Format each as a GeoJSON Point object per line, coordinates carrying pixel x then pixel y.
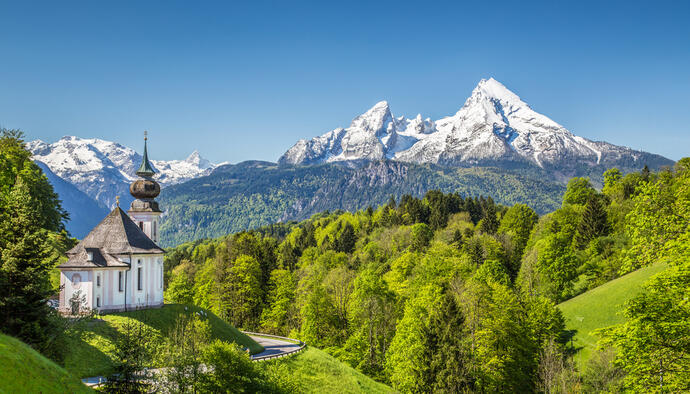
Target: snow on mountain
{"type": "Point", "coordinates": [493, 126]}
{"type": "Point", "coordinates": [103, 169]}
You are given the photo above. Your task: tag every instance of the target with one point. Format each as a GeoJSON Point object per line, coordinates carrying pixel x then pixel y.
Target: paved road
{"type": "Point", "coordinates": [273, 346]}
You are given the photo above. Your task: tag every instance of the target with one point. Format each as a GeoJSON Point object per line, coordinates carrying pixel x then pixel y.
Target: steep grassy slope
{"type": "Point", "coordinates": [602, 307]}
{"type": "Point", "coordinates": [94, 342]}
{"type": "Point", "coordinates": [23, 370]}
{"type": "Point", "coordinates": [317, 372]}
{"type": "Point", "coordinates": [252, 194]}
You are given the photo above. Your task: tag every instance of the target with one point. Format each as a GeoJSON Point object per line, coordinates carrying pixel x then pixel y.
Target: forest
{"type": "Point", "coordinates": [447, 293]}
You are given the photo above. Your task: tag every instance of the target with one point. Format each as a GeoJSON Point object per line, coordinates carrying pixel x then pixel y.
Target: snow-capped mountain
{"type": "Point", "coordinates": [103, 169]}
{"type": "Point", "coordinates": [494, 126]}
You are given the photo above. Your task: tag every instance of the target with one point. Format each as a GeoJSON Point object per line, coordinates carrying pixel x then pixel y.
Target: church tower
{"type": "Point", "coordinates": [144, 210]}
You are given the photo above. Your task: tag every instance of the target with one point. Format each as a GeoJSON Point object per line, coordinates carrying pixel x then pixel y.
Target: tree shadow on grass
{"type": "Point", "coordinates": [567, 338]}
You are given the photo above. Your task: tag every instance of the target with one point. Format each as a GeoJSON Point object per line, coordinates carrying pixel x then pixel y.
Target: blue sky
{"type": "Point", "coordinates": [241, 81]}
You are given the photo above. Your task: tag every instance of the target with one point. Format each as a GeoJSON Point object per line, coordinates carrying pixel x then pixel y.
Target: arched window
{"type": "Point", "coordinates": [76, 281]}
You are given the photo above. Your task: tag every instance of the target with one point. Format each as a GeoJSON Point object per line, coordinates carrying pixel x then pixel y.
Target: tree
{"type": "Point", "coordinates": [518, 222]}
{"type": "Point", "coordinates": [421, 236]}
{"type": "Point", "coordinates": [229, 370]}
{"type": "Point", "coordinates": [280, 314]}
{"type": "Point", "coordinates": [578, 191]}
{"type": "Point", "coordinates": [180, 288]}
{"type": "Point", "coordinates": [242, 292]}
{"type": "Point", "coordinates": [594, 223]}
{"type": "Point", "coordinates": [489, 223]}
{"type": "Point", "coordinates": [29, 212]}
{"type": "Point", "coordinates": [132, 354]}
{"type": "Point", "coordinates": [182, 354]}
{"type": "Point", "coordinates": [447, 349]}
{"type": "Point", "coordinates": [346, 239]}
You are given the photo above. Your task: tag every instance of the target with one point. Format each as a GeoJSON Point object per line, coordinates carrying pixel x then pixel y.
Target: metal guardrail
{"type": "Point", "coordinates": [301, 344]}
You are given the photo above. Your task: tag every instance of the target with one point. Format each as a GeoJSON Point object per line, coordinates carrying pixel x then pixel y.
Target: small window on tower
{"type": "Point", "coordinates": [140, 281]}
{"type": "Point", "coordinates": [141, 226]}
{"type": "Point", "coordinates": [119, 281]}
{"type": "Point", "coordinates": [98, 302]}
{"type": "Point", "coordinates": [98, 281]}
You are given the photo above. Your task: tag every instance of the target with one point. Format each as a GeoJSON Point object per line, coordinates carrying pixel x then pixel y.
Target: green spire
{"type": "Point", "coordinates": [145, 170]}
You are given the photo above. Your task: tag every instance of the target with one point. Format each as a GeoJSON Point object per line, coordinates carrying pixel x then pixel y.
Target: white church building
{"type": "Point", "coordinates": [118, 266]}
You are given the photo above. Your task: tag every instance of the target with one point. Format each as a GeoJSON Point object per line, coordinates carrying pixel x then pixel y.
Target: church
{"type": "Point", "coordinates": [118, 266]}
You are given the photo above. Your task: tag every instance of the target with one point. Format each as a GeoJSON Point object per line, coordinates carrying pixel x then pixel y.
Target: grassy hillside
{"type": "Point", "coordinates": [94, 341]}
{"type": "Point", "coordinates": [23, 370]}
{"type": "Point", "coordinates": [317, 372]}
{"type": "Point", "coordinates": [602, 307]}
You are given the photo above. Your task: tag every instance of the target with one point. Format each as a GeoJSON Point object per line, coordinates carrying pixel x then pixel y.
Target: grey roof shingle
{"type": "Point", "coordinates": [115, 235]}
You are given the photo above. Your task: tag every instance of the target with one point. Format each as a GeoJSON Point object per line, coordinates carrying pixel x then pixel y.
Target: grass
{"type": "Point", "coordinates": [317, 372]}
{"type": "Point", "coordinates": [24, 370]}
{"type": "Point", "coordinates": [602, 307]}
{"type": "Point", "coordinates": [92, 345]}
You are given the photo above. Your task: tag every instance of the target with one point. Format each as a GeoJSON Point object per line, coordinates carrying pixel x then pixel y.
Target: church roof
{"type": "Point", "coordinates": [115, 235]}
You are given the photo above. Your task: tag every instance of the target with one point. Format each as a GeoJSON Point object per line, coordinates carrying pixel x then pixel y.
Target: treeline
{"type": "Point", "coordinates": [253, 194]}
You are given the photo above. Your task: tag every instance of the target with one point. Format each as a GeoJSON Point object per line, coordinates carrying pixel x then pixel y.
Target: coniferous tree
{"type": "Point", "coordinates": [29, 211]}
{"type": "Point", "coordinates": [594, 223]}
{"type": "Point", "coordinates": [490, 221]}
{"type": "Point", "coordinates": [448, 351]}
{"type": "Point", "coordinates": [345, 242]}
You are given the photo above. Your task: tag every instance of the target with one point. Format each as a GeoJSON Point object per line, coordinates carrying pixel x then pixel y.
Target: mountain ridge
{"type": "Point", "coordinates": [493, 127]}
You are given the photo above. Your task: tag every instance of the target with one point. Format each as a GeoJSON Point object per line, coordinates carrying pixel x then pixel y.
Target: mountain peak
{"type": "Point", "coordinates": [375, 119]}
{"type": "Point", "coordinates": [492, 89]}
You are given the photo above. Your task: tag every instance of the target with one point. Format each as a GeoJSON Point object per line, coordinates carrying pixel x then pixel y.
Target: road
{"type": "Point", "coordinates": [273, 346]}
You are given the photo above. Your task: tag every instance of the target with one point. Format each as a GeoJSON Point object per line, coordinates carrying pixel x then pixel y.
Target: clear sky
{"type": "Point", "coordinates": [241, 81]}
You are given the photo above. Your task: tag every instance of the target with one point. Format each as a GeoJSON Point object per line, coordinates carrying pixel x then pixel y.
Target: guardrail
{"type": "Point", "coordinates": [301, 344]}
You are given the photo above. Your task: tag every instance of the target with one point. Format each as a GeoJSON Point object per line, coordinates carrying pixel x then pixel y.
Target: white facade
{"type": "Point", "coordinates": [116, 288]}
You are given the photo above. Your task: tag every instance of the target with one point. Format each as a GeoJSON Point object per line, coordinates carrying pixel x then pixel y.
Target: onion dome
{"type": "Point", "coordinates": [145, 189]}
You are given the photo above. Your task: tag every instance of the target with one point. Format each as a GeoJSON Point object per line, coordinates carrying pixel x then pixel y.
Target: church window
{"type": "Point", "coordinates": [98, 302]}
{"type": "Point", "coordinates": [76, 281]}
{"type": "Point", "coordinates": [141, 226]}
{"type": "Point", "coordinates": [140, 281]}
{"type": "Point", "coordinates": [119, 281]}
{"type": "Point", "coordinates": [98, 280]}
{"type": "Point", "coordinates": [154, 230]}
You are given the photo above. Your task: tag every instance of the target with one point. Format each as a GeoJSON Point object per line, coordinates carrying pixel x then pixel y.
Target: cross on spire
{"type": "Point", "coordinates": [145, 170]}
{"type": "Point", "coordinates": [117, 201]}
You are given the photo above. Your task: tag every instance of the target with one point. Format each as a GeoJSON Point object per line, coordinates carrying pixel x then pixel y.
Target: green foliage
{"type": "Point", "coordinates": [654, 343]}
{"type": "Point", "coordinates": [30, 217]}
{"type": "Point", "coordinates": [421, 236]}
{"type": "Point", "coordinates": [594, 223]}
{"type": "Point", "coordinates": [386, 289]}
{"type": "Point", "coordinates": [578, 191]}
{"type": "Point", "coordinates": [315, 371]}
{"type": "Point", "coordinates": [229, 370]}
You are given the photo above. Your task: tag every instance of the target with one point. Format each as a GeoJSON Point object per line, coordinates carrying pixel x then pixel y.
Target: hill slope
{"type": "Point", "coordinates": [317, 372]}
{"type": "Point", "coordinates": [252, 194]}
{"type": "Point", "coordinates": [93, 344]}
{"type": "Point", "coordinates": [602, 307]}
{"type": "Point", "coordinates": [24, 370]}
